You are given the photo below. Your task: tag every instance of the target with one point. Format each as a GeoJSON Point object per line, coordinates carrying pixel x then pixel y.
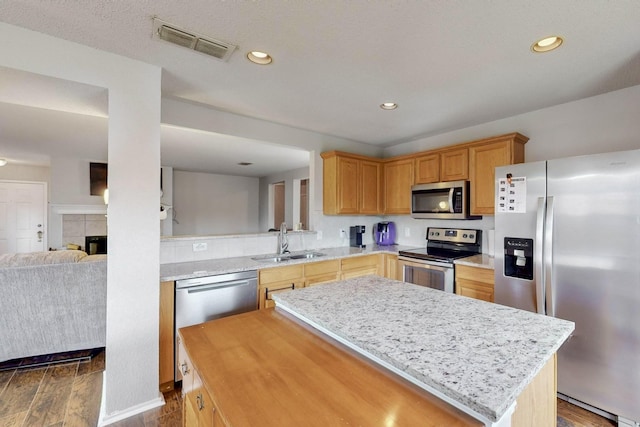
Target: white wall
{"type": "Point", "coordinates": [70, 183]}
{"type": "Point", "coordinates": [206, 203]}
{"type": "Point", "coordinates": [25, 173]}
{"type": "Point", "coordinates": [131, 376]}
{"type": "Point", "coordinates": [288, 177]}
{"type": "Point", "coordinates": [598, 124]}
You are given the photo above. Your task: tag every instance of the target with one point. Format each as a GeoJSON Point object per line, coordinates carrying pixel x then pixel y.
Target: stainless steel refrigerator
{"type": "Point", "coordinates": [567, 244]}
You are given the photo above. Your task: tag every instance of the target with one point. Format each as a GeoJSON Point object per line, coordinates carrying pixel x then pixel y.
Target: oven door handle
{"type": "Point", "coordinates": [431, 265]}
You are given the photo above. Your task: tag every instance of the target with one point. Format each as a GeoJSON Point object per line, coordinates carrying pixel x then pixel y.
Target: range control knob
{"type": "Point", "coordinates": [464, 236]}
{"type": "Point", "coordinates": [471, 236]}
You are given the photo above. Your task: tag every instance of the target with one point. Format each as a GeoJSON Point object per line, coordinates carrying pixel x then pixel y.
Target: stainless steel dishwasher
{"type": "Point", "coordinates": [206, 298]}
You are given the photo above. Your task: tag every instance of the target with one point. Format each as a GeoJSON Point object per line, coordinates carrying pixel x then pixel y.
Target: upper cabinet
{"type": "Point", "coordinates": [351, 184]}
{"type": "Point", "coordinates": [398, 179]}
{"type": "Point", "coordinates": [355, 184]}
{"type": "Point", "coordinates": [454, 165]}
{"type": "Point", "coordinates": [484, 156]}
{"type": "Point", "coordinates": [427, 168]}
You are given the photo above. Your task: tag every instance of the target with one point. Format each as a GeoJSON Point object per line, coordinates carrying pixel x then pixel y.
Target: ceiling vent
{"type": "Point", "coordinates": [192, 40]}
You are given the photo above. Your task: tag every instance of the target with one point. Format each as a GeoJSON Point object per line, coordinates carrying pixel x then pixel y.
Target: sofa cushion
{"type": "Point", "coordinates": [40, 258]}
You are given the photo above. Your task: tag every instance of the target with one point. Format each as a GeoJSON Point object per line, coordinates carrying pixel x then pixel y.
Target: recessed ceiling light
{"type": "Point", "coordinates": [3, 162]}
{"type": "Point", "coordinates": [388, 105]}
{"type": "Point", "coordinates": [546, 44]}
{"type": "Point", "coordinates": [258, 57]}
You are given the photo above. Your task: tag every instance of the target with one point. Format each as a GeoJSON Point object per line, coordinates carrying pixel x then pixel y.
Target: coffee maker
{"type": "Point", "coordinates": [355, 236]}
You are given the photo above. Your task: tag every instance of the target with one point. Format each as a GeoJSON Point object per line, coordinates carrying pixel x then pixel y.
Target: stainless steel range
{"type": "Point", "coordinates": [432, 266]}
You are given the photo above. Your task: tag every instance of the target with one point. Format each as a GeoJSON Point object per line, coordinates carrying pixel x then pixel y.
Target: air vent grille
{"type": "Point", "coordinates": [192, 40]}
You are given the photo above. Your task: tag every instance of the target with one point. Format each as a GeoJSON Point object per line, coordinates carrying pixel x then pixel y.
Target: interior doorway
{"type": "Point", "coordinates": [278, 204]}
{"type": "Point", "coordinates": [304, 203]}
{"type": "Point", "coordinates": [23, 222]}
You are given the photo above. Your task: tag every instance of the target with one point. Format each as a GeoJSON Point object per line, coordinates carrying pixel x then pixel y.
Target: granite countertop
{"type": "Point", "coordinates": [211, 267]}
{"type": "Point", "coordinates": [480, 260]}
{"type": "Point", "coordinates": [478, 354]}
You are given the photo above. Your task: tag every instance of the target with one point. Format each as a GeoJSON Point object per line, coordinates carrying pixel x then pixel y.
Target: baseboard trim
{"type": "Point", "coordinates": [106, 420]}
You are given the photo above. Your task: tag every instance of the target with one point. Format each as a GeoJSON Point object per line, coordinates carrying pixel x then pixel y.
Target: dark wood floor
{"type": "Point", "coordinates": [67, 394]}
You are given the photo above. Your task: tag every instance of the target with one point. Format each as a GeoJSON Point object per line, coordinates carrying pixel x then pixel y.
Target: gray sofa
{"type": "Point", "coordinates": [52, 302]}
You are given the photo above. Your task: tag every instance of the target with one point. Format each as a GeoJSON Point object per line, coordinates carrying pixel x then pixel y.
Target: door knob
{"type": "Point", "coordinates": [39, 236]}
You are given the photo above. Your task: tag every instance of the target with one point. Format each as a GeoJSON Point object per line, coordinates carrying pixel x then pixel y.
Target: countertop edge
{"type": "Point", "coordinates": [212, 267]}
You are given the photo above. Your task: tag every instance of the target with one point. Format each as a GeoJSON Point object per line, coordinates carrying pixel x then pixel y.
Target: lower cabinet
{"type": "Point", "coordinates": [361, 266]}
{"type": "Point", "coordinates": [475, 282]}
{"type": "Point", "coordinates": [390, 266]}
{"type": "Point", "coordinates": [166, 336]}
{"type": "Point", "coordinates": [316, 273]}
{"type": "Point", "coordinates": [274, 280]}
{"type": "Point", "coordinates": [198, 407]}
{"type": "Point", "coordinates": [279, 279]}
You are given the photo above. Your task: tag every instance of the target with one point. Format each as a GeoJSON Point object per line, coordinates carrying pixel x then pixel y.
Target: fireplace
{"type": "Point", "coordinates": [95, 245]}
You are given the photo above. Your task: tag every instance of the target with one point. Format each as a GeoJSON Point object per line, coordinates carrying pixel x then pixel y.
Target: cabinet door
{"type": "Point", "coordinates": [391, 266]}
{"type": "Point", "coordinates": [454, 165]}
{"type": "Point", "coordinates": [267, 291]}
{"type": "Point", "coordinates": [475, 282]}
{"type": "Point", "coordinates": [361, 266]}
{"type": "Point", "coordinates": [167, 347]}
{"type": "Point", "coordinates": [185, 369]}
{"type": "Point", "coordinates": [190, 409]}
{"type": "Point", "coordinates": [484, 159]}
{"type": "Point", "coordinates": [370, 178]}
{"type": "Point", "coordinates": [347, 185]}
{"type": "Point", "coordinates": [427, 168]}
{"type": "Point", "coordinates": [398, 179]}
{"type": "Point", "coordinates": [316, 273]}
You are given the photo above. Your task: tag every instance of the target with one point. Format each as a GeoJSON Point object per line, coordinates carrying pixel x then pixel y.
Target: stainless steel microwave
{"type": "Point", "coordinates": [443, 200]}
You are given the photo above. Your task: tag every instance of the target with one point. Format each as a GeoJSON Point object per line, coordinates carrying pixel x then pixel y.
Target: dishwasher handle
{"type": "Point", "coordinates": [205, 288]}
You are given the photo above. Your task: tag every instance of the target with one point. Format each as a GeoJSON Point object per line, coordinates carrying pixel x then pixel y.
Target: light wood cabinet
{"type": "Point", "coordinates": [390, 265]}
{"type": "Point", "coordinates": [166, 347]}
{"type": "Point", "coordinates": [351, 184]}
{"type": "Point", "coordinates": [369, 183]}
{"type": "Point", "coordinates": [279, 279]}
{"type": "Point", "coordinates": [483, 159]}
{"type": "Point", "coordinates": [361, 266]}
{"type": "Point", "coordinates": [316, 273]}
{"type": "Point", "coordinates": [427, 168]}
{"type": "Point", "coordinates": [454, 164]}
{"type": "Point", "coordinates": [198, 407]}
{"type": "Point", "coordinates": [475, 282]}
{"type": "Point", "coordinates": [398, 179]}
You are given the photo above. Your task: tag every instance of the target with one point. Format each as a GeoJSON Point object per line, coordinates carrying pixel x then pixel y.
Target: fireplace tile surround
{"type": "Point", "coordinates": [75, 227]}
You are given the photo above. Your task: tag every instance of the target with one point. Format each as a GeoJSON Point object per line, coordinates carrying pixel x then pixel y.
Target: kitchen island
{"type": "Point", "coordinates": [454, 357]}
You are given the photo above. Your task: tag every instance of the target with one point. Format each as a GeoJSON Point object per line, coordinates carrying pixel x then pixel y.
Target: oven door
{"type": "Point", "coordinates": [432, 274]}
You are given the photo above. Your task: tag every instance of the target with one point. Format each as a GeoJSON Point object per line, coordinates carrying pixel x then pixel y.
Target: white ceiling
{"type": "Point", "coordinates": [448, 64]}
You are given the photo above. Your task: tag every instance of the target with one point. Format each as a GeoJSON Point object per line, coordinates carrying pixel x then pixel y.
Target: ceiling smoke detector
{"type": "Point", "coordinates": [192, 40]}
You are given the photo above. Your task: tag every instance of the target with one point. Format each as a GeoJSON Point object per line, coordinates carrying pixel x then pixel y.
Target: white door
{"type": "Point", "coordinates": [22, 216]}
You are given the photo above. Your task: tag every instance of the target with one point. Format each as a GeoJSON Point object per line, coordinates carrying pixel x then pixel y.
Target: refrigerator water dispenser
{"type": "Point", "coordinates": [518, 258]}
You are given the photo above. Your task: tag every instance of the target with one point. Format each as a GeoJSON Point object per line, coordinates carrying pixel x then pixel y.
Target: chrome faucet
{"type": "Point", "coordinates": [283, 244]}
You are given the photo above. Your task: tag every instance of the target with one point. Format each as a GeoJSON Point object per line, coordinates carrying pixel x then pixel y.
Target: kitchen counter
{"type": "Point", "coordinates": [476, 355]}
{"type": "Point", "coordinates": [211, 267]}
{"type": "Point", "coordinates": [480, 260]}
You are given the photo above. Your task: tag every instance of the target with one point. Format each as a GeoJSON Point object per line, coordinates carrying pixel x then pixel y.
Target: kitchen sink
{"type": "Point", "coordinates": [306, 255]}
{"type": "Point", "coordinates": [272, 258]}
{"type": "Point", "coordinates": [287, 257]}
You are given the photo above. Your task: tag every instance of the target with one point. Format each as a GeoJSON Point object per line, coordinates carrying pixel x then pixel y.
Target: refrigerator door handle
{"type": "Point", "coordinates": [548, 259]}
{"type": "Point", "coordinates": [538, 261]}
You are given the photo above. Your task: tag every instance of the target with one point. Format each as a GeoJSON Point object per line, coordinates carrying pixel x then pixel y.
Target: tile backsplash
{"type": "Point", "coordinates": [75, 227]}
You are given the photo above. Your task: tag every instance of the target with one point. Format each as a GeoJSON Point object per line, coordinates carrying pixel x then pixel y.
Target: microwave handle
{"type": "Point", "coordinates": [451, 207]}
